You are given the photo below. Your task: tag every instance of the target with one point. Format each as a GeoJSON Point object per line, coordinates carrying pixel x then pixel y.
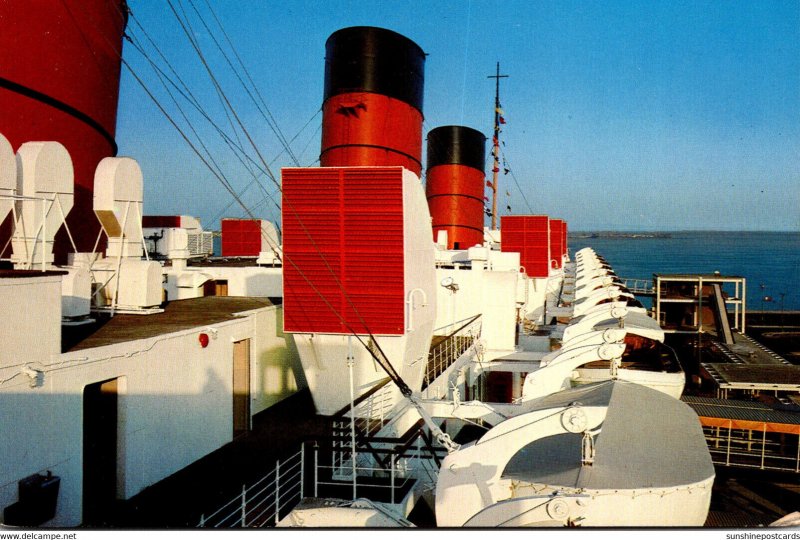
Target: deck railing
{"type": "Point", "coordinates": [460, 337]}
{"type": "Point", "coordinates": [266, 501]}
{"type": "Point", "coordinates": [753, 449]}
{"type": "Point", "coordinates": [395, 478]}
{"type": "Point", "coordinates": [638, 286]}
{"type": "Point", "coordinates": [271, 498]}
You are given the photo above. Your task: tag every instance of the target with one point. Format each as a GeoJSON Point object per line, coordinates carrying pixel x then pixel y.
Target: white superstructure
{"type": "Point", "coordinates": [155, 391]}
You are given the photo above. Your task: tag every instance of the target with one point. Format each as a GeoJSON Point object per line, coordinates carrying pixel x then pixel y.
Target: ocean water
{"type": "Point", "coordinates": [770, 261]}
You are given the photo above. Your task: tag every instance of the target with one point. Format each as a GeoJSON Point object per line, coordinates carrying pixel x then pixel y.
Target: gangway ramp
{"type": "Point", "coordinates": [721, 315]}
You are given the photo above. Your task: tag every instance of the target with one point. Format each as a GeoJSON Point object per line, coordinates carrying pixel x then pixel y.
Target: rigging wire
{"type": "Point", "coordinates": [220, 93]}
{"type": "Point", "coordinates": [514, 177]}
{"type": "Point", "coordinates": [196, 104]}
{"type": "Point", "coordinates": [219, 89]}
{"type": "Point", "coordinates": [187, 94]}
{"type": "Point", "coordinates": [235, 147]}
{"type": "Point", "coordinates": [272, 195]}
{"type": "Point", "coordinates": [270, 119]}
{"type": "Point", "coordinates": [181, 132]}
{"type": "Point", "coordinates": [381, 359]}
{"type": "Point", "coordinates": [194, 131]}
{"type": "Point", "coordinates": [216, 170]}
{"type": "Point", "coordinates": [193, 100]}
{"type": "Point", "coordinates": [310, 140]}
{"type": "Point", "coordinates": [373, 348]}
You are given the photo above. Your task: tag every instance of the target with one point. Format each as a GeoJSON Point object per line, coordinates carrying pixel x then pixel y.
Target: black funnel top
{"type": "Point", "coordinates": [456, 145]}
{"type": "Point", "coordinates": [368, 59]}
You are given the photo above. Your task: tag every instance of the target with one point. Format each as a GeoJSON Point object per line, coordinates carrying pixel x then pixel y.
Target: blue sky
{"type": "Point", "coordinates": [620, 115]}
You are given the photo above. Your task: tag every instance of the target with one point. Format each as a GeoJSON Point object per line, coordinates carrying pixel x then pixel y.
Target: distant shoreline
{"type": "Point", "coordinates": [662, 234]}
{"type": "Point", "coordinates": [620, 235]}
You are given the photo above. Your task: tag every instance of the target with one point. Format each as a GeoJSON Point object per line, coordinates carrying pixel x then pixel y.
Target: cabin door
{"type": "Point", "coordinates": [100, 420]}
{"type": "Point", "coordinates": [221, 287]}
{"type": "Point", "coordinates": [241, 387]}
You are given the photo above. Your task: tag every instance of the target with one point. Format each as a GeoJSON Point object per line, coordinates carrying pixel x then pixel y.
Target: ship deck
{"type": "Point", "coordinates": [228, 262]}
{"type": "Point", "coordinates": [178, 315]}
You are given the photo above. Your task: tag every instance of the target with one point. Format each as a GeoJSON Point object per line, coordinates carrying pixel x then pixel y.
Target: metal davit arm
{"type": "Point", "coordinates": [552, 377]}
{"type": "Point", "coordinates": [441, 437]}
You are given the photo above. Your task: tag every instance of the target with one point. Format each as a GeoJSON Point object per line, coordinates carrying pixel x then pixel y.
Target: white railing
{"type": "Point", "coordinates": [752, 449]}
{"type": "Point", "coordinates": [374, 411]}
{"type": "Point", "coordinates": [460, 337]}
{"type": "Point", "coordinates": [368, 478]}
{"type": "Point", "coordinates": [638, 286]}
{"type": "Point", "coordinates": [453, 327]}
{"type": "Point", "coordinates": [379, 480]}
{"type": "Point", "coordinates": [273, 497]}
{"type": "Point", "coordinates": [369, 416]}
{"type": "Point", "coordinates": [263, 503]}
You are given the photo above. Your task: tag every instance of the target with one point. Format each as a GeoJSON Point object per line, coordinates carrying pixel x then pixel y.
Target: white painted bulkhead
{"type": "Point", "coordinates": [174, 396]}
{"type": "Point", "coordinates": [474, 291]}
{"type": "Point", "coordinates": [259, 281]}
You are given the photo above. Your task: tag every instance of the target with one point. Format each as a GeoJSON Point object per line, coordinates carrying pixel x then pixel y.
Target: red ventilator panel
{"type": "Point", "coordinates": [557, 245]}
{"type": "Point", "coordinates": [564, 247]}
{"type": "Point", "coordinates": [530, 237]}
{"type": "Point", "coordinates": [454, 184]}
{"type": "Point", "coordinates": [343, 250]}
{"type": "Point", "coordinates": [372, 109]}
{"type": "Point", "coordinates": [59, 81]}
{"type": "Point", "coordinates": [241, 237]}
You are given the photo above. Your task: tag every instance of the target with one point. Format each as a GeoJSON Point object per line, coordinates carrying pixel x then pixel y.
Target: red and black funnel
{"type": "Point", "coordinates": [59, 81]}
{"type": "Point", "coordinates": [372, 110]}
{"type": "Point", "coordinates": [454, 186]}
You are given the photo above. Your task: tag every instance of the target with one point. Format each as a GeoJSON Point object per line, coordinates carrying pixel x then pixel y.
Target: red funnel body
{"type": "Point", "coordinates": [355, 133]}
{"type": "Point", "coordinates": [372, 110]}
{"type": "Point", "coordinates": [530, 237]}
{"type": "Point", "coordinates": [455, 199]}
{"type": "Point", "coordinates": [454, 184]}
{"type": "Point", "coordinates": [59, 81]}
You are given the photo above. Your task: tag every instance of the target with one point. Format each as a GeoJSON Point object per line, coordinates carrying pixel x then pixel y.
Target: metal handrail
{"type": "Point", "coordinates": [638, 285]}
{"type": "Point", "coordinates": [275, 490]}
{"type": "Point", "coordinates": [463, 322]}
{"type": "Point", "coordinates": [398, 478]}
{"type": "Point", "coordinates": [455, 344]}
{"type": "Point", "coordinates": [363, 397]}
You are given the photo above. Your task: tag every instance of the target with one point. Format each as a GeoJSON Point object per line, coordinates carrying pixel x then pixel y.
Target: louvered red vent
{"type": "Point", "coordinates": [530, 237]}
{"type": "Point", "coordinates": [556, 242]}
{"type": "Point", "coordinates": [241, 237]}
{"type": "Point", "coordinates": [343, 268]}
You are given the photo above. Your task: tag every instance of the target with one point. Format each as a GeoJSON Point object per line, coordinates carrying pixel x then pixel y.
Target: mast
{"type": "Point", "coordinates": [496, 142]}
